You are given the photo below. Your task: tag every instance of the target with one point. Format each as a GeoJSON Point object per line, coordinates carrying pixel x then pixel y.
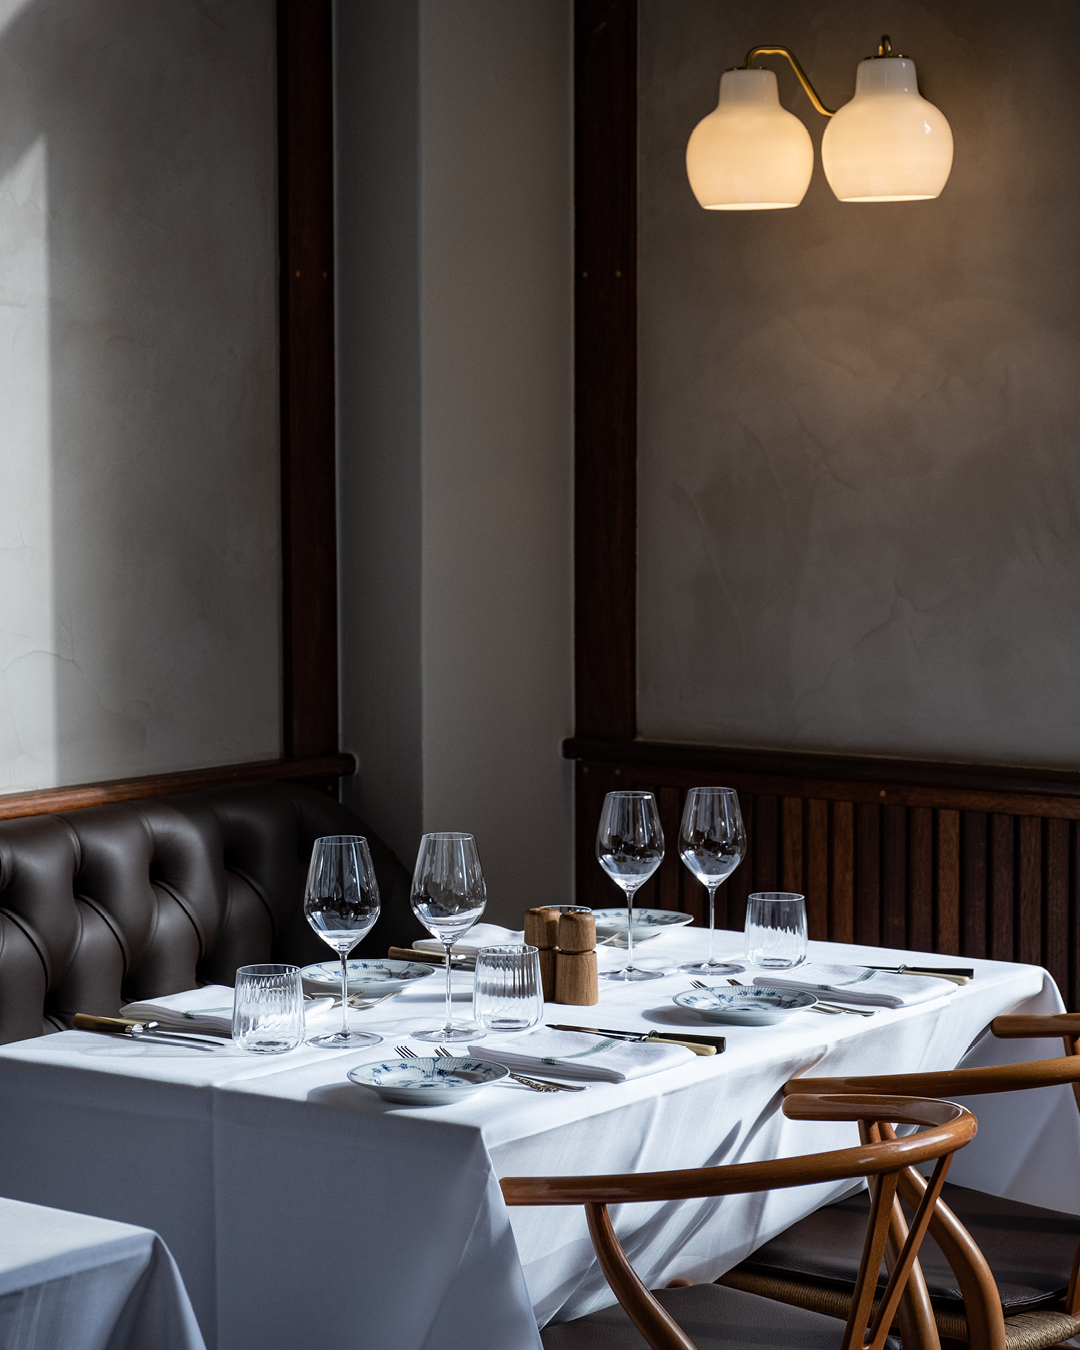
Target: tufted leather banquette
{"type": "Point", "coordinates": [103, 906]}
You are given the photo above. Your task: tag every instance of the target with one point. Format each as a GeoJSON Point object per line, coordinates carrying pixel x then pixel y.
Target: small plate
{"type": "Point", "coordinates": [759, 1006]}
{"type": "Point", "coordinates": [367, 975]}
{"type": "Point", "coordinates": [427, 1082]}
{"type": "Point", "coordinates": [647, 922]}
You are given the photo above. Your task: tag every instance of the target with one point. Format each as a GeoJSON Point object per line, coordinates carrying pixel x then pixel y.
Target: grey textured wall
{"type": "Point", "coordinates": [139, 543]}
{"type": "Point", "coordinates": [860, 480]}
{"type": "Point", "coordinates": [454, 247]}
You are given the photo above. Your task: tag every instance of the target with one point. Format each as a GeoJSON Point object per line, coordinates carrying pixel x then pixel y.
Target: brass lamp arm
{"type": "Point", "coordinates": [803, 78]}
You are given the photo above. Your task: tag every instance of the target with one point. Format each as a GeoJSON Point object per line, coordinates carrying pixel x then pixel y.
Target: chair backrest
{"type": "Point", "coordinates": [134, 900]}
{"type": "Point", "coordinates": [973, 1274]}
{"type": "Point", "coordinates": [882, 1159]}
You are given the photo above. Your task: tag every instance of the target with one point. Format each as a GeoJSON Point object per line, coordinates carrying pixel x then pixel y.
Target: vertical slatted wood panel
{"type": "Point", "coordinates": [958, 882]}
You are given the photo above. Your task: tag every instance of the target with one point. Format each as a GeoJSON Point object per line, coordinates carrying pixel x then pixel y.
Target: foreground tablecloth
{"type": "Point", "coordinates": [72, 1282]}
{"type": "Point", "coordinates": [296, 1202]}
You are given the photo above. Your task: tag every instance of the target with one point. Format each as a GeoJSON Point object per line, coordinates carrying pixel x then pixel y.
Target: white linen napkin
{"type": "Point", "coordinates": [581, 1055]}
{"type": "Point", "coordinates": [479, 935]}
{"type": "Point", "coordinates": [855, 984]}
{"type": "Point", "coordinates": [208, 1010]}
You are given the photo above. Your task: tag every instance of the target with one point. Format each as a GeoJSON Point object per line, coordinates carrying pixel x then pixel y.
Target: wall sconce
{"type": "Point", "coordinates": [887, 145]}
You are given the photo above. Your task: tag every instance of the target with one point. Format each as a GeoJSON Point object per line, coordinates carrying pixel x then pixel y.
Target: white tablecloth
{"type": "Point", "coordinates": [71, 1282]}
{"type": "Point", "coordinates": [297, 1204]}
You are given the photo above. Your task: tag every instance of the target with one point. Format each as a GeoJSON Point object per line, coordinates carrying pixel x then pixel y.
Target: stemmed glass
{"type": "Point", "coordinates": [341, 902]}
{"type": "Point", "coordinates": [712, 843]}
{"type": "Point", "coordinates": [630, 847]}
{"type": "Point", "coordinates": [448, 896]}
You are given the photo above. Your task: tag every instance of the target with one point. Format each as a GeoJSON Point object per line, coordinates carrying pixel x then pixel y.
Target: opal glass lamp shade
{"type": "Point", "coordinates": [750, 154]}
{"type": "Point", "coordinates": [888, 144]}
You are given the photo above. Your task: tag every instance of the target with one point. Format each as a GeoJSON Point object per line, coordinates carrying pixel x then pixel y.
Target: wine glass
{"type": "Point", "coordinates": [341, 902]}
{"type": "Point", "coordinates": [712, 842]}
{"type": "Point", "coordinates": [630, 847]}
{"type": "Point", "coordinates": [448, 896]}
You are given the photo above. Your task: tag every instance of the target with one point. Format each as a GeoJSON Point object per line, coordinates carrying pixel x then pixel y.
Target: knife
{"type": "Point", "coordinates": [957, 974]}
{"type": "Point", "coordinates": [457, 962]}
{"type": "Point", "coordinates": [140, 1031]}
{"type": "Point", "coordinates": [701, 1045]}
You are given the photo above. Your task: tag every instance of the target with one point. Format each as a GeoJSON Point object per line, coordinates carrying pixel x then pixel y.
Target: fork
{"type": "Point", "coordinates": [536, 1084]}
{"type": "Point", "coordinates": [829, 1009]}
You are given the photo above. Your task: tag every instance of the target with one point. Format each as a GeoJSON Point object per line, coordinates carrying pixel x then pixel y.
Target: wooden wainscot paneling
{"type": "Point", "coordinates": [945, 858]}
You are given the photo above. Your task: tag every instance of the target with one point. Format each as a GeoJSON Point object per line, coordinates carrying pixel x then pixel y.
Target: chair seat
{"type": "Point", "coordinates": [1030, 1250]}
{"type": "Point", "coordinates": [715, 1318]}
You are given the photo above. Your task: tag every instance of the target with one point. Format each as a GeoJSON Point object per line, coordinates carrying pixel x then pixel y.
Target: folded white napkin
{"type": "Point", "coordinates": [581, 1055]}
{"type": "Point", "coordinates": [479, 935]}
{"type": "Point", "coordinates": [208, 1010]}
{"type": "Point", "coordinates": [855, 984]}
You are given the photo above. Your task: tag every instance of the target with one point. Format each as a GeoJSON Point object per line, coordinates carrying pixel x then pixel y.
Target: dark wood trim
{"type": "Point", "coordinates": [317, 770]}
{"type": "Point", "coordinates": [308, 466]}
{"type": "Point", "coordinates": [852, 778]}
{"type": "Point", "coordinates": [605, 367]}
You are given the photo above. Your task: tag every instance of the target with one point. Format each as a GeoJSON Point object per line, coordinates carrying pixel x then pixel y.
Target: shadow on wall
{"type": "Point", "coordinates": [139, 542]}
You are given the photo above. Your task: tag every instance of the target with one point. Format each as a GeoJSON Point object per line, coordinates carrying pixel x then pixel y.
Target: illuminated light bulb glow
{"type": "Point", "coordinates": [888, 144]}
{"type": "Point", "coordinates": [749, 154]}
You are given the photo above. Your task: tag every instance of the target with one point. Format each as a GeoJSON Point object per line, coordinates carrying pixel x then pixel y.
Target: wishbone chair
{"type": "Point", "coordinates": [999, 1274]}
{"type": "Point", "coordinates": [708, 1316]}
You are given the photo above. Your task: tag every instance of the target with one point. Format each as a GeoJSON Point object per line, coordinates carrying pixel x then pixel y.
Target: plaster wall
{"type": "Point", "coordinates": [139, 554]}
{"type": "Point", "coordinates": [455, 257]}
{"type": "Point", "coordinates": [859, 424]}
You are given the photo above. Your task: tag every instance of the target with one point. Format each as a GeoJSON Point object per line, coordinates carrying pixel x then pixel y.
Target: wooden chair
{"type": "Point", "coordinates": [1000, 1274]}
{"type": "Point", "coordinates": [707, 1316]}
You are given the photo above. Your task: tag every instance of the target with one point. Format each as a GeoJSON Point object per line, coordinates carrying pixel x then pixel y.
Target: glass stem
{"type": "Point", "coordinates": [712, 926]}
{"type": "Point", "coordinates": [630, 929]}
{"type": "Point", "coordinates": [449, 1025]}
{"type": "Point", "coordinates": [344, 994]}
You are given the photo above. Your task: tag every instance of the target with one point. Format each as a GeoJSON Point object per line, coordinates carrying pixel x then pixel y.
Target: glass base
{"type": "Point", "coordinates": [340, 1040]}
{"type": "Point", "coordinates": [632, 973]}
{"type": "Point", "coordinates": [713, 967]}
{"type": "Point", "coordinates": [448, 1034]}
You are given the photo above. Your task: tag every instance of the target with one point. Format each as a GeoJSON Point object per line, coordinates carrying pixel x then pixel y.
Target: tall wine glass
{"type": "Point", "coordinates": [630, 847]}
{"type": "Point", "coordinates": [712, 842]}
{"type": "Point", "coordinates": [341, 902]}
{"type": "Point", "coordinates": [448, 896]}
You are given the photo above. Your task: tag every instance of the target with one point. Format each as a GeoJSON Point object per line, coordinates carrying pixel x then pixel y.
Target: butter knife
{"type": "Point", "coordinates": [701, 1045]}
{"type": "Point", "coordinates": [140, 1031]}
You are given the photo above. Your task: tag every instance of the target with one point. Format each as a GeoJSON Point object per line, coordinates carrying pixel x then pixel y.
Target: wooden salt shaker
{"type": "Point", "coordinates": [575, 961]}
{"type": "Point", "coordinates": [542, 932]}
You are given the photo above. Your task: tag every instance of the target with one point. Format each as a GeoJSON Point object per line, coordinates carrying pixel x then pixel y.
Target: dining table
{"type": "Point", "coordinates": [301, 1207]}
{"type": "Point", "coordinates": [76, 1282]}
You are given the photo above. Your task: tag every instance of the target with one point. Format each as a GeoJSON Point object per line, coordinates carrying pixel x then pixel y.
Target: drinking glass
{"type": "Point", "coordinates": [712, 842]}
{"type": "Point", "coordinates": [776, 930]}
{"type": "Point", "coordinates": [268, 1009]}
{"type": "Point", "coordinates": [448, 896]}
{"type": "Point", "coordinates": [507, 995]}
{"type": "Point", "coordinates": [341, 902]}
{"type": "Point", "coordinates": [630, 847]}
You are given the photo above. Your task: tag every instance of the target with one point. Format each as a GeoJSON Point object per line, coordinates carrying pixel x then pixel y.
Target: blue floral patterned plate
{"type": "Point", "coordinates": [367, 975]}
{"type": "Point", "coordinates": [427, 1082]}
{"type": "Point", "coordinates": [647, 922]}
{"type": "Point", "coordinates": [749, 1007]}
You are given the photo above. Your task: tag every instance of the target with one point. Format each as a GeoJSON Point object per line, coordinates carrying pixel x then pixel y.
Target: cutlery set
{"type": "Point", "coordinates": [827, 1009]}
{"type": "Point", "coordinates": [535, 1084]}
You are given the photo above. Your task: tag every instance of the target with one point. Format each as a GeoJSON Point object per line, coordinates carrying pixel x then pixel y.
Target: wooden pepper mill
{"type": "Point", "coordinates": [575, 961]}
{"type": "Point", "coordinates": [542, 932]}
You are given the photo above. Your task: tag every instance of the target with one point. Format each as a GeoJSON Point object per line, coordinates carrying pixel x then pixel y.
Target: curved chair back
{"type": "Point", "coordinates": [946, 1128]}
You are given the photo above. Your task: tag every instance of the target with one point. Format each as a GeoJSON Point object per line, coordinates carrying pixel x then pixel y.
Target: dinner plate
{"type": "Point", "coordinates": [428, 1082]}
{"type": "Point", "coordinates": [759, 1006]}
{"type": "Point", "coordinates": [647, 922]}
{"type": "Point", "coordinates": [367, 975]}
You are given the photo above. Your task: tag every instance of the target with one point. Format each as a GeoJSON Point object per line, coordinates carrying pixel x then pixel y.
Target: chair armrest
{"type": "Point", "coordinates": [1014, 1026]}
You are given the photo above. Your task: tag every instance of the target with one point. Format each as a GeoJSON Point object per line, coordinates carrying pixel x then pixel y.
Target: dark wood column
{"type": "Point", "coordinates": [306, 249]}
{"type": "Point", "coordinates": [605, 368]}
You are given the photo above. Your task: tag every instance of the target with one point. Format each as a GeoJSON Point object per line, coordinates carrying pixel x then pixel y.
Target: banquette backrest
{"type": "Point", "coordinates": [132, 900]}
